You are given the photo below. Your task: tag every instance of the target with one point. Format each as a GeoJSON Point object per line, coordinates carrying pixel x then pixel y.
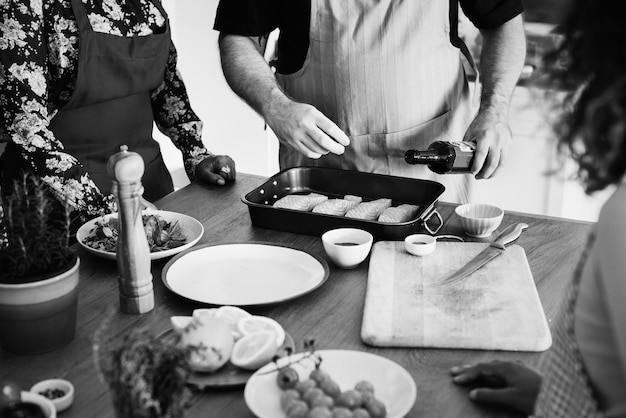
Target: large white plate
{"type": "Point", "coordinates": [192, 229]}
{"type": "Point", "coordinates": [243, 274]}
{"type": "Point", "coordinates": [393, 385]}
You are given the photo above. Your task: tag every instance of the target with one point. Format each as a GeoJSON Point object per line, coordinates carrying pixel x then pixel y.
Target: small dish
{"type": "Point", "coordinates": [58, 391]}
{"type": "Point", "coordinates": [420, 244]}
{"type": "Point", "coordinates": [44, 403]}
{"type": "Point", "coordinates": [479, 220]}
{"type": "Point", "coordinates": [347, 247]}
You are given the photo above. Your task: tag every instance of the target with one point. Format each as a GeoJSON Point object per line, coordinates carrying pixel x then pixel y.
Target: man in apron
{"type": "Point", "coordinates": [110, 105]}
{"type": "Point", "coordinates": [378, 78]}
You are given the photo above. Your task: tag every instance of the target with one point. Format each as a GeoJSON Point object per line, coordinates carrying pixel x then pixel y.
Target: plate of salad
{"type": "Point", "coordinates": [167, 233]}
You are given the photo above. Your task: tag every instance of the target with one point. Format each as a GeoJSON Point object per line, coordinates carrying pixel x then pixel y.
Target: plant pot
{"type": "Point", "coordinates": [39, 316]}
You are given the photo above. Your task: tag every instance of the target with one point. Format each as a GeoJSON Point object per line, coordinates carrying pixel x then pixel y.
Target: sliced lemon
{"type": "Point", "coordinates": [179, 323]}
{"type": "Point", "coordinates": [254, 350]}
{"type": "Point", "coordinates": [255, 323]}
{"type": "Point", "coordinates": [232, 315]}
{"type": "Point", "coordinates": [212, 341]}
{"type": "Point", "coordinates": [204, 311]}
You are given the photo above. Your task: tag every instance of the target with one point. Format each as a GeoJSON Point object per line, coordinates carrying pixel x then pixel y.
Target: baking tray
{"type": "Point", "coordinates": [336, 183]}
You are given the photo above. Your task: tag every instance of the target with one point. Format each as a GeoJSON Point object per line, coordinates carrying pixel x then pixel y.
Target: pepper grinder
{"type": "Point", "coordinates": [133, 254]}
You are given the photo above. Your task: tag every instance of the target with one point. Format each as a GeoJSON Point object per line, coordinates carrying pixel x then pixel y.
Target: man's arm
{"type": "Point", "coordinates": [501, 61]}
{"type": "Point", "coordinates": [298, 125]}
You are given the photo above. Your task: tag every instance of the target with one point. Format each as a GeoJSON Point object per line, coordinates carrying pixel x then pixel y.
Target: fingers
{"type": "Point", "coordinates": [492, 374]}
{"type": "Point", "coordinates": [217, 169]}
{"type": "Point", "coordinates": [493, 140]}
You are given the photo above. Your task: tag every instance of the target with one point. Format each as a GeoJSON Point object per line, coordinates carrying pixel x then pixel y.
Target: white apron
{"type": "Point", "coordinates": [386, 73]}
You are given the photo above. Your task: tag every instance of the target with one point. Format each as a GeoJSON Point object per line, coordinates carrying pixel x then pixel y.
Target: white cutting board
{"type": "Point", "coordinates": [495, 308]}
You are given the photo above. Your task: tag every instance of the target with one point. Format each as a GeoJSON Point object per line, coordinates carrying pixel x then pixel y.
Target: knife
{"type": "Point", "coordinates": [497, 247]}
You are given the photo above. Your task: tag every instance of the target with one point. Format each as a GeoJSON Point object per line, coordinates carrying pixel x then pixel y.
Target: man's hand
{"type": "Point", "coordinates": [503, 383]}
{"type": "Point", "coordinates": [305, 129]}
{"type": "Point", "coordinates": [493, 139]}
{"type": "Point", "coordinates": [216, 169]}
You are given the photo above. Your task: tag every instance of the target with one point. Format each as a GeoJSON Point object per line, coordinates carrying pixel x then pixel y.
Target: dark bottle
{"type": "Point", "coordinates": [444, 157]}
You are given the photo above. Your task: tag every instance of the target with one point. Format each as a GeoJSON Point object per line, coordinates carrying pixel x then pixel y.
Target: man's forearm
{"type": "Point", "coordinates": [247, 72]}
{"type": "Point", "coordinates": [502, 58]}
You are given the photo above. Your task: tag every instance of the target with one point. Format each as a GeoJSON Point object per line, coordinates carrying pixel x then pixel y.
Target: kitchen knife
{"type": "Point", "coordinates": [497, 247]}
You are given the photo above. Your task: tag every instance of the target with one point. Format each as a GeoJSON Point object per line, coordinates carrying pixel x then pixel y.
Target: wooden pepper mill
{"type": "Point", "coordinates": [133, 254]}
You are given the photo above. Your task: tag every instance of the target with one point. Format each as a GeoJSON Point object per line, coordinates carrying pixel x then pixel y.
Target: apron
{"type": "Point", "coordinates": [386, 73]}
{"type": "Point", "coordinates": [566, 390]}
{"type": "Point", "coordinates": [110, 105]}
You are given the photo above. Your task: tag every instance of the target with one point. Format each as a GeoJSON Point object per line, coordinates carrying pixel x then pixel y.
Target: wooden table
{"type": "Point", "coordinates": [331, 314]}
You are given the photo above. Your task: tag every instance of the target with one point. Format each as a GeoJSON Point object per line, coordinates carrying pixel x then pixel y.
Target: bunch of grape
{"type": "Point", "coordinates": [319, 396]}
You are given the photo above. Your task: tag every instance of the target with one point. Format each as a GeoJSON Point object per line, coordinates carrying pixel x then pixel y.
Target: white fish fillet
{"type": "Point", "coordinates": [337, 207]}
{"type": "Point", "coordinates": [300, 202]}
{"type": "Point", "coordinates": [369, 210]}
{"type": "Point", "coordinates": [401, 213]}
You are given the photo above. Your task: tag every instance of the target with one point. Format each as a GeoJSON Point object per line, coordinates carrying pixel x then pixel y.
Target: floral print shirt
{"type": "Point", "coordinates": [38, 67]}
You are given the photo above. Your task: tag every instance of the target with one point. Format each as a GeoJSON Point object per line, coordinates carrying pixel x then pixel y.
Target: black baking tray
{"type": "Point", "coordinates": [336, 183]}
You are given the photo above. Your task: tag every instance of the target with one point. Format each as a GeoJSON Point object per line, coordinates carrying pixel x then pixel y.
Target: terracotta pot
{"type": "Point", "coordinates": [39, 316]}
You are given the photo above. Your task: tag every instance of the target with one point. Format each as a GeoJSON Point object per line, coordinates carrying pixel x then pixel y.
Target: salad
{"type": "Point", "coordinates": [161, 234]}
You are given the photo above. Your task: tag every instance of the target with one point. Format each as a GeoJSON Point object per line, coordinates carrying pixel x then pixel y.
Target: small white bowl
{"type": "Point", "coordinates": [420, 244]}
{"type": "Point", "coordinates": [479, 220]}
{"type": "Point", "coordinates": [46, 389]}
{"type": "Point", "coordinates": [44, 403]}
{"type": "Point", "coordinates": [347, 247]}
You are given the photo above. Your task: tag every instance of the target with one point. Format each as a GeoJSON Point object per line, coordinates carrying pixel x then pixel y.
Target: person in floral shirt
{"type": "Point", "coordinates": [79, 78]}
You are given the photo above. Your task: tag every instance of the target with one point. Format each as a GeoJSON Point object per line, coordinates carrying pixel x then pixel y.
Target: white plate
{"type": "Point", "coordinates": [393, 385]}
{"type": "Point", "coordinates": [243, 274]}
{"type": "Point", "coordinates": [192, 229]}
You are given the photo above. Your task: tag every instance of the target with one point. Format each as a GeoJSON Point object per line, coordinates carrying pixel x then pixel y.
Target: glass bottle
{"type": "Point", "coordinates": [444, 157]}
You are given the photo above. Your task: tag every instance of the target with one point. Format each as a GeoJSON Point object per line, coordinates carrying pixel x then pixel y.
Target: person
{"type": "Point", "coordinates": [80, 78]}
{"type": "Point", "coordinates": [357, 84]}
{"type": "Point", "coordinates": [584, 373]}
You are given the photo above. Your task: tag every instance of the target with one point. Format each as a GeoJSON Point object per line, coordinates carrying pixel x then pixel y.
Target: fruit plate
{"type": "Point", "coordinates": [191, 228]}
{"type": "Point", "coordinates": [393, 385]}
{"type": "Point", "coordinates": [228, 375]}
{"type": "Point", "coordinates": [244, 274]}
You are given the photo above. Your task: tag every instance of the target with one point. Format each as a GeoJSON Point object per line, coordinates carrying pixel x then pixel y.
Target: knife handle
{"type": "Point", "coordinates": [510, 234]}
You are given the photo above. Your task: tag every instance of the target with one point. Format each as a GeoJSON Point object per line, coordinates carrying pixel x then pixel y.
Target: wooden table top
{"type": "Point", "coordinates": [331, 314]}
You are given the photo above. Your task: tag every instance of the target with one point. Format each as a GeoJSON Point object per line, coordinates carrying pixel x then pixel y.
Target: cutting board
{"type": "Point", "coordinates": [495, 308]}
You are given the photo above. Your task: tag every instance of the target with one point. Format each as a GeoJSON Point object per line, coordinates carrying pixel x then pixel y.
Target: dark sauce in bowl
{"type": "Point", "coordinates": [346, 244]}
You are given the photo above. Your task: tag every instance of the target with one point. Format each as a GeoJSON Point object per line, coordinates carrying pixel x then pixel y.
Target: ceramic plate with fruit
{"type": "Point", "coordinates": [235, 344]}
{"type": "Point", "coordinates": [352, 383]}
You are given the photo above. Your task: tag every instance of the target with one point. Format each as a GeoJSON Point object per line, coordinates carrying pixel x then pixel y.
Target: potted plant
{"type": "Point", "coordinates": [39, 273]}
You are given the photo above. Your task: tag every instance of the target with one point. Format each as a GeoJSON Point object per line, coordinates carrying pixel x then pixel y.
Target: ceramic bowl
{"type": "Point", "coordinates": [420, 244]}
{"type": "Point", "coordinates": [347, 247]}
{"type": "Point", "coordinates": [479, 220]}
{"type": "Point", "coordinates": [52, 388]}
{"type": "Point", "coordinates": [44, 403]}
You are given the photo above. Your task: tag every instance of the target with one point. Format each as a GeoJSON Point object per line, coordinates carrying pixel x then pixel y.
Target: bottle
{"type": "Point", "coordinates": [133, 254]}
{"type": "Point", "coordinates": [444, 157]}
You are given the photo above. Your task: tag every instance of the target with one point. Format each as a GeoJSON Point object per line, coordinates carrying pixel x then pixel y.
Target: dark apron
{"type": "Point", "coordinates": [110, 105]}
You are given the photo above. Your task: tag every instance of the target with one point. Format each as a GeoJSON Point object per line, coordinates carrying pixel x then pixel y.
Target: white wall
{"type": "Point", "coordinates": [230, 126]}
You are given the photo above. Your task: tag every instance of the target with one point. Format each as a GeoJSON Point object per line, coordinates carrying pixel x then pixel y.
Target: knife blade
{"type": "Point", "coordinates": [497, 247]}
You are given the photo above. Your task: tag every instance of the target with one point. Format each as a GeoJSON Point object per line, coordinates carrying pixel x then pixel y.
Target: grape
{"type": "Point", "coordinates": [287, 378]}
{"type": "Point", "coordinates": [330, 387]}
{"type": "Point", "coordinates": [342, 412]}
{"type": "Point", "coordinates": [375, 407]}
{"type": "Point", "coordinates": [323, 400]}
{"type": "Point", "coordinates": [364, 386]}
{"type": "Point", "coordinates": [288, 396]}
{"type": "Point", "coordinates": [297, 409]}
{"type": "Point", "coordinates": [320, 412]}
{"type": "Point", "coordinates": [304, 385]}
{"type": "Point", "coordinates": [350, 399]}
{"type": "Point", "coordinates": [361, 413]}
{"type": "Point", "coordinates": [311, 394]}
{"type": "Point", "coordinates": [319, 375]}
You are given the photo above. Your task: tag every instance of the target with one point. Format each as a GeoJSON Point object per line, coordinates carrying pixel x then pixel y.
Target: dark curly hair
{"type": "Point", "coordinates": [592, 126]}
